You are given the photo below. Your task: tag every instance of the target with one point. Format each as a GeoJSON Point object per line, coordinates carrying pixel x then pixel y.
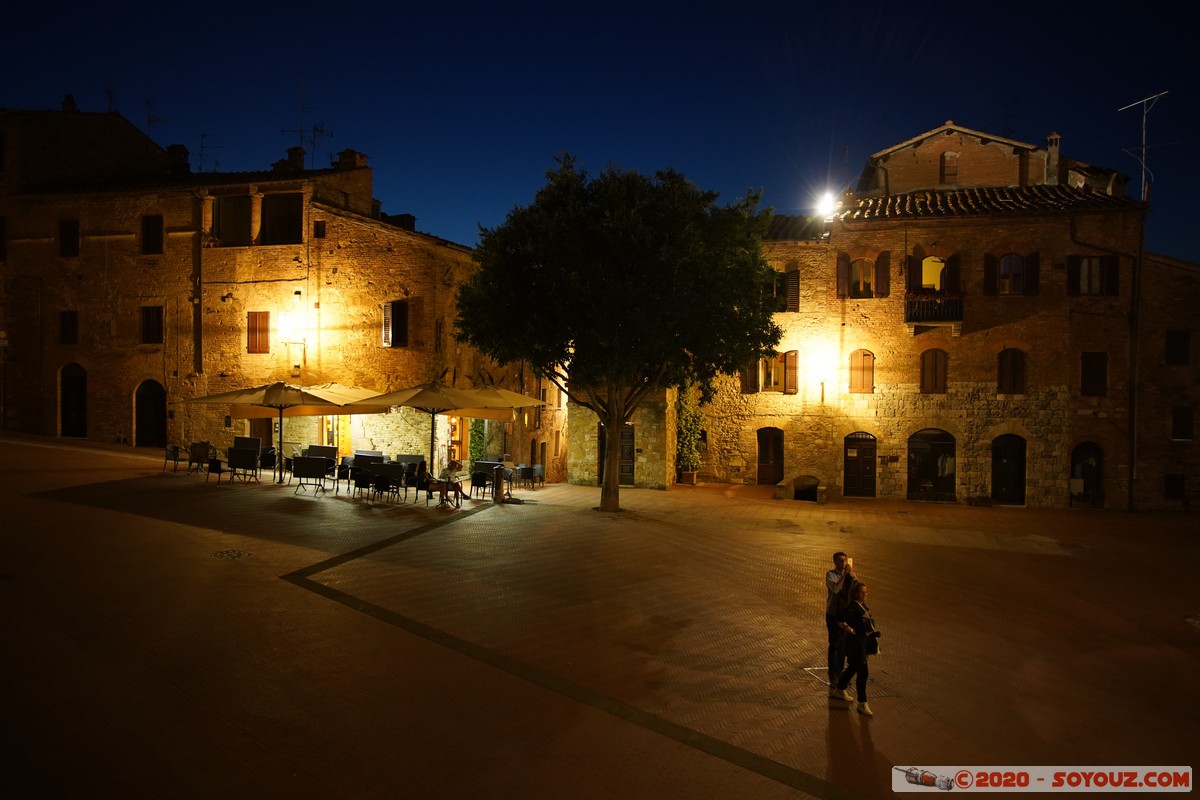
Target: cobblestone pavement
{"type": "Point", "coordinates": [168, 638]}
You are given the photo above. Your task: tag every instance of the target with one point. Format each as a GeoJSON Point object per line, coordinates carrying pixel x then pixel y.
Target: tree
{"type": "Point", "coordinates": [626, 284]}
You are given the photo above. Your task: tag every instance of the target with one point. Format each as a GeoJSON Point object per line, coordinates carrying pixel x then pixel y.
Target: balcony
{"type": "Point", "coordinates": [926, 308]}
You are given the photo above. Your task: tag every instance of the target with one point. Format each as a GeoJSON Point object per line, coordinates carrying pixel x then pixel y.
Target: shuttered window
{"type": "Point", "coordinates": [1093, 275]}
{"type": "Point", "coordinates": [152, 234]}
{"type": "Point", "coordinates": [862, 372]}
{"type": "Point", "coordinates": [1010, 371]}
{"type": "Point", "coordinates": [792, 289]}
{"type": "Point", "coordinates": [395, 323]}
{"type": "Point", "coordinates": [258, 332]}
{"type": "Point", "coordinates": [933, 371]}
{"type": "Point", "coordinates": [1093, 374]}
{"type": "Point", "coordinates": [152, 324]}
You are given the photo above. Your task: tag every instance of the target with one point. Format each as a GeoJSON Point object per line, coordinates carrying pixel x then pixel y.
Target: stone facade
{"type": "Point", "coordinates": [144, 285]}
{"type": "Point", "coordinates": [963, 437]}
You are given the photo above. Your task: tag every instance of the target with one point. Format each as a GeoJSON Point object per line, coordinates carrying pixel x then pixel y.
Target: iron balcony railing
{"type": "Point", "coordinates": [933, 308]}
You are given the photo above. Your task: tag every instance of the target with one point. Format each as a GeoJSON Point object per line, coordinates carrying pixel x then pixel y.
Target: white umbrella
{"type": "Point", "coordinates": [286, 399]}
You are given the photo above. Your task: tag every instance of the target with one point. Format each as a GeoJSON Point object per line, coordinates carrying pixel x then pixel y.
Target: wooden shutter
{"type": "Point", "coordinates": [750, 378]}
{"type": "Point", "coordinates": [258, 331]}
{"type": "Point", "coordinates": [933, 371]}
{"type": "Point", "coordinates": [883, 271]}
{"type": "Point", "coordinates": [1112, 275]}
{"type": "Point", "coordinates": [1031, 274]}
{"type": "Point", "coordinates": [1073, 275]}
{"type": "Point", "coordinates": [791, 365]}
{"type": "Point", "coordinates": [387, 325]}
{"type": "Point", "coordinates": [793, 290]}
{"type": "Point", "coordinates": [990, 272]}
{"type": "Point", "coordinates": [395, 324]}
{"type": "Point", "coordinates": [952, 274]}
{"type": "Point", "coordinates": [862, 371]}
{"type": "Point", "coordinates": [843, 275]}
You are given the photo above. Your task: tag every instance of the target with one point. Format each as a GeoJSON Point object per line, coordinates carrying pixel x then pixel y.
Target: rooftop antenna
{"type": "Point", "coordinates": [204, 148]}
{"type": "Point", "coordinates": [1146, 103]}
{"type": "Point", "coordinates": [151, 120]}
{"type": "Point", "coordinates": [319, 132]}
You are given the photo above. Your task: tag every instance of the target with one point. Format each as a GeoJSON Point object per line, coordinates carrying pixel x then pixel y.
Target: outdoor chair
{"type": "Point", "coordinates": [174, 454]}
{"type": "Point", "coordinates": [361, 481]}
{"type": "Point", "coordinates": [243, 463]}
{"type": "Point", "coordinates": [481, 481]}
{"type": "Point", "coordinates": [216, 467]}
{"type": "Point", "coordinates": [539, 474]}
{"type": "Point", "coordinates": [310, 471]}
{"type": "Point", "coordinates": [199, 454]}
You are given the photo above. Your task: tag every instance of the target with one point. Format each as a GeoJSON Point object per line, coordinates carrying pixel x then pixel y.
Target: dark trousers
{"type": "Point", "coordinates": [836, 655]}
{"type": "Point", "coordinates": [857, 669]}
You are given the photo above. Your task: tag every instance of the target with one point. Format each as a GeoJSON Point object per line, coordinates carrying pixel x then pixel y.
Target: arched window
{"type": "Point", "coordinates": [1011, 277]}
{"type": "Point", "coordinates": [931, 273]}
{"type": "Point", "coordinates": [1010, 371]}
{"type": "Point", "coordinates": [862, 273]}
{"type": "Point", "coordinates": [862, 372]}
{"type": "Point", "coordinates": [933, 371]}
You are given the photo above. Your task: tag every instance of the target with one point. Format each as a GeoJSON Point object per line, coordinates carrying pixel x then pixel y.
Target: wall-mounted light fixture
{"type": "Point", "coordinates": [225, 298]}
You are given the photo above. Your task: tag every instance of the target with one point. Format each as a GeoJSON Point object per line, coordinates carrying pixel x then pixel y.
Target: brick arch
{"type": "Point", "coordinates": [921, 252]}
{"type": "Point", "coordinates": [1010, 426]}
{"type": "Point", "coordinates": [869, 253]}
{"type": "Point", "coordinates": [947, 425]}
{"type": "Point", "coordinates": [1023, 249]}
{"type": "Point", "coordinates": [1015, 344]}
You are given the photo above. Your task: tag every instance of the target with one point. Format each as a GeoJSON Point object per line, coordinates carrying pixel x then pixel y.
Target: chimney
{"type": "Point", "coordinates": [1053, 142]}
{"type": "Point", "coordinates": [351, 159]}
{"type": "Point", "coordinates": [295, 157]}
{"type": "Point", "coordinates": [68, 103]}
{"type": "Point", "coordinates": [177, 155]}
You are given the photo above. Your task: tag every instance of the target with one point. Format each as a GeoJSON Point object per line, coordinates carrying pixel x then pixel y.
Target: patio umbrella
{"type": "Point", "coordinates": [286, 399]}
{"type": "Point", "coordinates": [435, 398]}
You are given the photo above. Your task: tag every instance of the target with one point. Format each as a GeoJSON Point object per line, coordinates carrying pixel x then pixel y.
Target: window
{"type": "Point", "coordinates": [862, 277]}
{"type": "Point", "coordinates": [787, 291]}
{"type": "Point", "coordinates": [862, 372]}
{"type": "Point", "coordinates": [1010, 369]}
{"type": "Point", "coordinates": [258, 331]}
{"type": "Point", "coordinates": [68, 238]}
{"type": "Point", "coordinates": [1010, 274]}
{"type": "Point", "coordinates": [282, 219]}
{"type": "Point", "coordinates": [1093, 275]}
{"type": "Point", "coordinates": [861, 272]}
{"type": "Point", "coordinates": [931, 273]}
{"type": "Point", "coordinates": [395, 324]}
{"type": "Point", "coordinates": [1179, 347]}
{"type": "Point", "coordinates": [933, 371]}
{"type": "Point", "coordinates": [1011, 278]}
{"type": "Point", "coordinates": [438, 328]}
{"type": "Point", "coordinates": [152, 324]}
{"type": "Point", "coordinates": [68, 327]}
{"type": "Point", "coordinates": [1181, 424]}
{"type": "Point", "coordinates": [949, 168]}
{"type": "Point", "coordinates": [1174, 486]}
{"type": "Point", "coordinates": [231, 221]}
{"type": "Point", "coordinates": [152, 234]}
{"type": "Point", "coordinates": [1093, 374]}
{"type": "Point", "coordinates": [319, 229]}
{"type": "Point", "coordinates": [778, 373]}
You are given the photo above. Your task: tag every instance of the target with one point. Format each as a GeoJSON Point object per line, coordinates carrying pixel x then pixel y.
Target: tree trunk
{"type": "Point", "coordinates": [610, 488]}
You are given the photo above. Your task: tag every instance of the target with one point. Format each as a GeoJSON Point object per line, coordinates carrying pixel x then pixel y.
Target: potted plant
{"type": "Point", "coordinates": [688, 434]}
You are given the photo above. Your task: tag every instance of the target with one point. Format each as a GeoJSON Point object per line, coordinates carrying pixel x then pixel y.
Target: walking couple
{"type": "Point", "coordinates": [852, 632]}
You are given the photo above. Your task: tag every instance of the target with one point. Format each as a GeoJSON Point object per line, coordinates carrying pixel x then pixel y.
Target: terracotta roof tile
{"type": "Point", "coordinates": [983, 201]}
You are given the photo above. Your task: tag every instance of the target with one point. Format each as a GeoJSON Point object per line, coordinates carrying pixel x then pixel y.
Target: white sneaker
{"type": "Point", "coordinates": [845, 695]}
{"type": "Point", "coordinates": [865, 710]}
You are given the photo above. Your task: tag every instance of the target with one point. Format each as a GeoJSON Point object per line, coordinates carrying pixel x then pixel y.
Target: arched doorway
{"type": "Point", "coordinates": [859, 450]}
{"type": "Point", "coordinates": [1008, 470]}
{"type": "Point", "coordinates": [72, 401]}
{"type": "Point", "coordinates": [1087, 475]}
{"type": "Point", "coordinates": [770, 455]}
{"type": "Point", "coordinates": [931, 465]}
{"type": "Point", "coordinates": [150, 415]}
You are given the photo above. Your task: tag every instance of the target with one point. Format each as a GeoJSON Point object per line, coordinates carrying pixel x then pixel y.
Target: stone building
{"type": "Point", "coordinates": [965, 327]}
{"type": "Point", "coordinates": [131, 284]}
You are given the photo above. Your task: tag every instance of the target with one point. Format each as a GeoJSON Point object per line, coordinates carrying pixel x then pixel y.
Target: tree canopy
{"type": "Point", "coordinates": [625, 284]}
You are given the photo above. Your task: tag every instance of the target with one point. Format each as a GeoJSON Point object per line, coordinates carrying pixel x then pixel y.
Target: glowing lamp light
{"type": "Point", "coordinates": [826, 205]}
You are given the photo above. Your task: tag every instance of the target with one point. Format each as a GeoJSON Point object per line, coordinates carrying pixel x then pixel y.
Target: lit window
{"type": "Point", "coordinates": [861, 273]}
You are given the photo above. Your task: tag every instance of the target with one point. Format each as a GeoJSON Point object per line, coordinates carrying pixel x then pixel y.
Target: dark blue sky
{"type": "Point", "coordinates": [461, 107]}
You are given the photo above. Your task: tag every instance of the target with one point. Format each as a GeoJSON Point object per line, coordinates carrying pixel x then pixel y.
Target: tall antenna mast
{"type": "Point", "coordinates": [1146, 103]}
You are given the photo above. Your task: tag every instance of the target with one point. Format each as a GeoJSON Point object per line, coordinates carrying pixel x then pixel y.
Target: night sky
{"type": "Point", "coordinates": [462, 107]}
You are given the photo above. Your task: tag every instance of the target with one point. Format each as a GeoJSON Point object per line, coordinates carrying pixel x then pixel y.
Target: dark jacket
{"type": "Point", "coordinates": [859, 618]}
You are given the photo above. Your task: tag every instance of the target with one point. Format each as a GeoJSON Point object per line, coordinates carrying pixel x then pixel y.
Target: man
{"type": "Point", "coordinates": [839, 585]}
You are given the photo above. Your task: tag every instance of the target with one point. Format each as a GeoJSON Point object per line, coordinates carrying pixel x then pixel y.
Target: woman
{"type": "Point", "coordinates": [859, 626]}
